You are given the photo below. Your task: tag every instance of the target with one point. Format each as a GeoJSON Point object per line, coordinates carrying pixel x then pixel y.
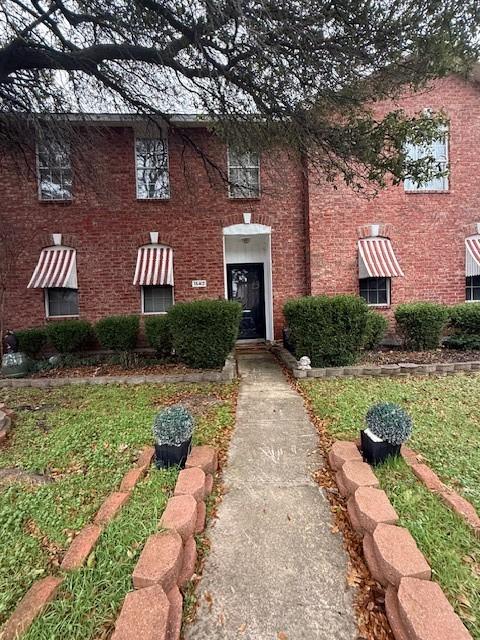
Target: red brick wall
{"type": "Point", "coordinates": [106, 225]}
{"type": "Point", "coordinates": [427, 229]}
{"type": "Point", "coordinates": [314, 227]}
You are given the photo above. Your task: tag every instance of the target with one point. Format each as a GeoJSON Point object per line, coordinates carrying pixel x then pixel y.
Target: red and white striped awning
{"type": "Point", "coordinates": [56, 267]}
{"type": "Point", "coordinates": [472, 257]}
{"type": "Point", "coordinates": [154, 266]}
{"type": "Point", "coordinates": [377, 259]}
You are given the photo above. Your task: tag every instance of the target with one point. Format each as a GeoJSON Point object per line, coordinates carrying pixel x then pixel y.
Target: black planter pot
{"type": "Point", "coordinates": [377, 452]}
{"type": "Point", "coordinates": [167, 455]}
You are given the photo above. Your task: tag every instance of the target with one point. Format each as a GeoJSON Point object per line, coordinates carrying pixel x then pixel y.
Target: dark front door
{"type": "Point", "coordinates": [246, 285]}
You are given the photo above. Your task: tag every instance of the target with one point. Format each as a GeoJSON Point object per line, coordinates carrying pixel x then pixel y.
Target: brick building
{"type": "Point", "coordinates": [151, 226]}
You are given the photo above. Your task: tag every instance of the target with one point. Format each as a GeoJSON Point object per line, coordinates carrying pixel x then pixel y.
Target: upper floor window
{"type": "Point", "coordinates": [151, 161]}
{"type": "Point", "coordinates": [243, 174]}
{"type": "Point", "coordinates": [438, 150]}
{"type": "Point", "coordinates": [54, 170]}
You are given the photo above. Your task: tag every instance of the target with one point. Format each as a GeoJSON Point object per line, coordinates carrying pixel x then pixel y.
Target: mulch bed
{"type": "Point", "coordinates": [93, 371]}
{"type": "Point", "coordinates": [396, 356]}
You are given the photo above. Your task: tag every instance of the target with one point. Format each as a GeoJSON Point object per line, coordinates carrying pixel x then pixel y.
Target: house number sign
{"type": "Point", "coordinates": [198, 284]}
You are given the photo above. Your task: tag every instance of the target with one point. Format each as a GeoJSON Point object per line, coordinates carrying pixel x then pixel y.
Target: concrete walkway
{"type": "Point", "coordinates": [275, 570]}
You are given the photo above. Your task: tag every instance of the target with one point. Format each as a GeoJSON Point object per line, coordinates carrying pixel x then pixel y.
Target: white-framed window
{"type": "Point", "coordinates": [438, 150]}
{"type": "Point", "coordinates": [472, 288]}
{"type": "Point", "coordinates": [156, 298]}
{"type": "Point", "coordinates": [376, 291]}
{"type": "Point", "coordinates": [61, 303]}
{"type": "Point", "coordinates": [151, 167]}
{"type": "Point", "coordinates": [243, 174]}
{"type": "Point", "coordinates": [54, 170]}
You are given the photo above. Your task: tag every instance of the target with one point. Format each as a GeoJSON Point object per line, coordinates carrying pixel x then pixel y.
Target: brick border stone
{"type": "Point", "coordinates": [460, 505]}
{"type": "Point", "coordinates": [30, 606]}
{"type": "Point", "coordinates": [402, 369]}
{"type": "Point", "coordinates": [417, 609]}
{"type": "Point", "coordinates": [167, 561]}
{"type": "Point", "coordinates": [44, 590]}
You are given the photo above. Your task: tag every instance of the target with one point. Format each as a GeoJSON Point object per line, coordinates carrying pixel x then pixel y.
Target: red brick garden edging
{"type": "Point", "coordinates": [460, 505]}
{"type": "Point", "coordinates": [45, 589]}
{"type": "Point", "coordinates": [417, 608]}
{"type": "Point", "coordinates": [153, 610]}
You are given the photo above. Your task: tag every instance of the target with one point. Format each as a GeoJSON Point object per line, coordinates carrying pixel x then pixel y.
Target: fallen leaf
{"type": "Point", "coordinates": [242, 627]}
{"type": "Point", "coordinates": [281, 635]}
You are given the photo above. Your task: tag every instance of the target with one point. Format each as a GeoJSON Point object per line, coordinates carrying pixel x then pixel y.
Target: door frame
{"type": "Point", "coordinates": [249, 230]}
{"type": "Point", "coordinates": [261, 270]}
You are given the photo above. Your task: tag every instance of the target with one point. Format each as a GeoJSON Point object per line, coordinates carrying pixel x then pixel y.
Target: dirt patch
{"type": "Point", "coordinates": [396, 356]}
{"type": "Point", "coordinates": [16, 474]}
{"type": "Point", "coordinates": [52, 550]}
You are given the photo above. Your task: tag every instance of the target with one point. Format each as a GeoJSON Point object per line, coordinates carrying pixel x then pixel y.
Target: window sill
{"type": "Point", "coordinates": [62, 317]}
{"type": "Point", "coordinates": [154, 313]}
{"type": "Point", "coordinates": [252, 199]}
{"type": "Point", "coordinates": [379, 306]}
{"type": "Point", "coordinates": [153, 199]}
{"type": "Point", "coordinates": [426, 192]}
{"type": "Point", "coordinates": [62, 202]}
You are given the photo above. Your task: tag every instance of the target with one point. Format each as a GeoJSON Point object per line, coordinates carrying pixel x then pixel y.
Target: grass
{"type": "Point", "coordinates": [85, 438]}
{"type": "Point", "coordinates": [444, 410]}
{"type": "Point", "coordinates": [446, 432]}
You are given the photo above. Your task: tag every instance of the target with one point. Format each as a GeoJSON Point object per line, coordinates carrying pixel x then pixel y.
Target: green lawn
{"type": "Point", "coordinates": [444, 410]}
{"type": "Point", "coordinates": [85, 438]}
{"type": "Point", "coordinates": [447, 434]}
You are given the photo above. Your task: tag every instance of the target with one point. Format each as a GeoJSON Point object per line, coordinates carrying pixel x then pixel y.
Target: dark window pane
{"type": "Point", "coordinates": [157, 299]}
{"type": "Point", "coordinates": [375, 290]}
{"type": "Point", "coordinates": [472, 288]}
{"type": "Point", "coordinates": [62, 302]}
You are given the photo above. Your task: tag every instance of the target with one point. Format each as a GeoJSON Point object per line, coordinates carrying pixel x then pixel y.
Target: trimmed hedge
{"type": "Point", "coordinates": [329, 330]}
{"type": "Point", "coordinates": [32, 341]}
{"type": "Point", "coordinates": [375, 330]}
{"type": "Point", "coordinates": [70, 335]}
{"type": "Point", "coordinates": [465, 318]}
{"type": "Point", "coordinates": [204, 331]}
{"type": "Point", "coordinates": [421, 324]}
{"type": "Point", "coordinates": [118, 333]}
{"type": "Point", "coordinates": [463, 342]}
{"type": "Point", "coordinates": [159, 337]}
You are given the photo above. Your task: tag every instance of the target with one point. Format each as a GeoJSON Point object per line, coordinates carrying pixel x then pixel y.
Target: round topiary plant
{"type": "Point", "coordinates": [173, 425]}
{"type": "Point", "coordinates": [389, 422]}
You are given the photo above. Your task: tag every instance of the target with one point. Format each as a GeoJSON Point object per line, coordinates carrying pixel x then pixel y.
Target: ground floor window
{"type": "Point", "coordinates": [61, 302]}
{"type": "Point", "coordinates": [472, 288]}
{"type": "Point", "coordinates": [376, 291]}
{"type": "Point", "coordinates": [157, 299]}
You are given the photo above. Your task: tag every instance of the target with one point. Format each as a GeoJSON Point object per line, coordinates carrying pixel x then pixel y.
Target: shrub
{"type": "Point", "coordinates": [465, 318]}
{"type": "Point", "coordinates": [462, 342]}
{"type": "Point", "coordinates": [389, 422]}
{"type": "Point", "coordinates": [173, 425]}
{"type": "Point", "coordinates": [70, 335]}
{"type": "Point", "coordinates": [118, 333]}
{"type": "Point", "coordinates": [421, 324]}
{"type": "Point", "coordinates": [31, 341]}
{"type": "Point", "coordinates": [329, 330]}
{"type": "Point", "coordinates": [204, 332]}
{"type": "Point", "coordinates": [375, 329]}
{"type": "Point", "coordinates": [157, 330]}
